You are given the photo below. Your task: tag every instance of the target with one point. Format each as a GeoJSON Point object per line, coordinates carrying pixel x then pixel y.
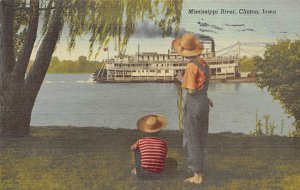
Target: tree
{"type": "Point", "coordinates": [54, 63]}
{"type": "Point", "coordinates": [102, 19]}
{"type": "Point", "coordinates": [82, 62]}
{"type": "Point", "coordinates": [247, 64]}
{"type": "Point", "coordinates": [280, 74]}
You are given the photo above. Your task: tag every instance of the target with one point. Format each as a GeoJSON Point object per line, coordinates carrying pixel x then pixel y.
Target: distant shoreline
{"type": "Point", "coordinates": [90, 129]}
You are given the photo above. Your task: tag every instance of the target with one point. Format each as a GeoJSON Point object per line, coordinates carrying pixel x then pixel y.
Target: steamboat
{"type": "Point", "coordinates": [160, 67]}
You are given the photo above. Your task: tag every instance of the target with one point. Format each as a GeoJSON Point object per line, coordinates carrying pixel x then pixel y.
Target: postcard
{"type": "Point", "coordinates": [149, 94]}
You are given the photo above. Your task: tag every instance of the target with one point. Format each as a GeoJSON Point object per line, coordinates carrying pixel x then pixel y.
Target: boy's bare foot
{"type": "Point", "coordinates": [133, 171]}
{"type": "Point", "coordinates": [196, 179]}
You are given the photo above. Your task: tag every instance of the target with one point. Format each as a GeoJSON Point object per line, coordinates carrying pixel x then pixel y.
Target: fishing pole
{"type": "Point", "coordinates": [179, 102]}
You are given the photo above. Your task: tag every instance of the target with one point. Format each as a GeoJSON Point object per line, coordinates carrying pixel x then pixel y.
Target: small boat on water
{"type": "Point", "coordinates": [159, 67]}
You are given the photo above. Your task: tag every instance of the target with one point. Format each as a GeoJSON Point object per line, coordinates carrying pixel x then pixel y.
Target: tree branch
{"type": "Point", "coordinates": [7, 56]}
{"type": "Point", "coordinates": [40, 66]}
{"type": "Point", "coordinates": [26, 50]}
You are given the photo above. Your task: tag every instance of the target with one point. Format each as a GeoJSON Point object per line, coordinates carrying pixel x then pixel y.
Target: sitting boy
{"type": "Point", "coordinates": [150, 151]}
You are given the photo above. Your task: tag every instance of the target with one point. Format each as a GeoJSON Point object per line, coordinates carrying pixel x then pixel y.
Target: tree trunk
{"type": "Point", "coordinates": [15, 108]}
{"type": "Point", "coordinates": [17, 93]}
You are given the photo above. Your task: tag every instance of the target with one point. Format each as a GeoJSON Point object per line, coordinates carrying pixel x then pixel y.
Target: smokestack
{"type": "Point", "coordinates": [211, 40]}
{"type": "Point", "coordinates": [213, 48]}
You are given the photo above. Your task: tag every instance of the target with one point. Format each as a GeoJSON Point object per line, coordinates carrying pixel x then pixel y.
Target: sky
{"type": "Point", "coordinates": [226, 29]}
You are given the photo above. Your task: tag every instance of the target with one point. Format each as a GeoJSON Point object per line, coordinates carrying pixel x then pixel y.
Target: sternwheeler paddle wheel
{"type": "Point", "coordinates": [100, 75]}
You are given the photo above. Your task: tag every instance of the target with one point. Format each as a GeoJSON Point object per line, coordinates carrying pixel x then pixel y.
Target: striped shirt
{"type": "Point", "coordinates": [153, 153]}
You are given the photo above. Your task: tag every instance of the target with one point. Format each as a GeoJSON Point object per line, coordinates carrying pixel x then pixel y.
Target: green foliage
{"type": "Point", "coordinates": [20, 23]}
{"type": "Point", "coordinates": [103, 20]}
{"type": "Point", "coordinates": [247, 64]}
{"type": "Point", "coordinates": [258, 126]}
{"type": "Point", "coordinates": [107, 19]}
{"type": "Point", "coordinates": [82, 65]}
{"type": "Point", "coordinates": [282, 126]}
{"type": "Point", "coordinates": [268, 125]}
{"type": "Point", "coordinates": [280, 74]}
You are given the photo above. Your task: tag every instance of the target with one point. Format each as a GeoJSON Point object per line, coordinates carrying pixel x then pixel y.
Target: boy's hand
{"type": "Point", "coordinates": [133, 147]}
{"type": "Point", "coordinates": [210, 102]}
{"type": "Point", "coordinates": [179, 76]}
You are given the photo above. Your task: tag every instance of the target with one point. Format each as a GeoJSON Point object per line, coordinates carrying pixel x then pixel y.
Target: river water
{"type": "Point", "coordinates": [73, 99]}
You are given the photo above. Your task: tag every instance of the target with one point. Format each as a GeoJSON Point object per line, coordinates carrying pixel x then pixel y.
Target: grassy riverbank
{"type": "Point", "coordinates": [99, 158]}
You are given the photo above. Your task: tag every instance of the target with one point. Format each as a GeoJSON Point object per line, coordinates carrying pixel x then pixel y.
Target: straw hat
{"type": "Point", "coordinates": [187, 45]}
{"type": "Point", "coordinates": [152, 123]}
